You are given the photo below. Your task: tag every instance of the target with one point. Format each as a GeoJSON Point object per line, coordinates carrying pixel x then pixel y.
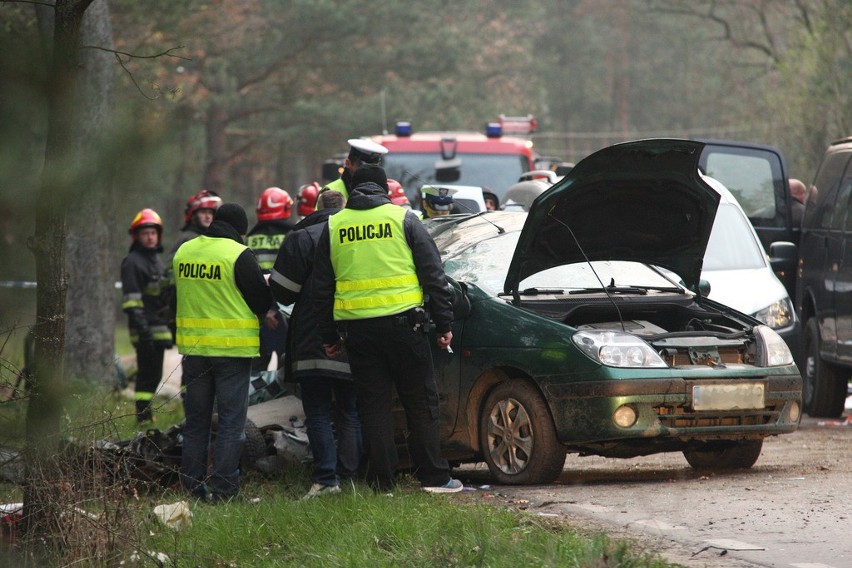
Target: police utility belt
{"type": "Point", "coordinates": [416, 319]}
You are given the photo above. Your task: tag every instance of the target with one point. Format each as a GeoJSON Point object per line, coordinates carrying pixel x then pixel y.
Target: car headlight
{"type": "Point", "coordinates": [777, 315]}
{"type": "Point", "coordinates": [771, 350]}
{"type": "Point", "coordinates": [617, 349]}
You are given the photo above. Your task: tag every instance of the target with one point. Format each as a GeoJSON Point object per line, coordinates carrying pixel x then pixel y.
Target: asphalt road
{"type": "Point", "coordinates": [790, 510]}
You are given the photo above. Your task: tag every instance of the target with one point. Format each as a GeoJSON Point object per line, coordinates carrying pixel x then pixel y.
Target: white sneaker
{"type": "Point", "coordinates": [452, 486]}
{"type": "Point", "coordinates": [318, 489]}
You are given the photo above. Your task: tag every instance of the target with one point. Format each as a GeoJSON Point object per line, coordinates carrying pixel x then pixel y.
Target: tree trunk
{"type": "Point", "coordinates": [216, 167]}
{"type": "Point", "coordinates": [41, 517]}
{"type": "Point", "coordinates": [90, 254]}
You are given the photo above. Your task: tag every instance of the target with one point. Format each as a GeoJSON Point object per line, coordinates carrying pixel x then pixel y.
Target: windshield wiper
{"type": "Point", "coordinates": [537, 291]}
{"type": "Point", "coordinates": [611, 290]}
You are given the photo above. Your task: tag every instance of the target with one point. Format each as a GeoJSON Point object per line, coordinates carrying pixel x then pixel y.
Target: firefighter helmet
{"type": "Point", "coordinates": [397, 193]}
{"type": "Point", "coordinates": [204, 199]}
{"type": "Point", "coordinates": [274, 203]}
{"type": "Point", "coordinates": [143, 219]}
{"type": "Point", "coordinates": [308, 194]}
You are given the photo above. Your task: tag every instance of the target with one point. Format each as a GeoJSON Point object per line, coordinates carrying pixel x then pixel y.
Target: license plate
{"type": "Point", "coordinates": [748, 396]}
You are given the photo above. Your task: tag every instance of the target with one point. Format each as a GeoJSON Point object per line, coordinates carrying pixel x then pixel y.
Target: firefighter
{"type": "Point", "coordinates": [374, 266]}
{"type": "Point", "coordinates": [197, 216]}
{"type": "Point", "coordinates": [221, 293]}
{"type": "Point", "coordinates": [361, 151]}
{"type": "Point", "coordinates": [143, 283]}
{"type": "Point", "coordinates": [274, 210]}
{"type": "Point", "coordinates": [308, 194]}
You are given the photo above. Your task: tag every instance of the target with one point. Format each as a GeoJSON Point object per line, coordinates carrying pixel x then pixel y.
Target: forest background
{"type": "Point", "coordinates": [239, 95]}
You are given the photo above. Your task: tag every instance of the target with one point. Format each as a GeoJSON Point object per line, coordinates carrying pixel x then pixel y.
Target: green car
{"type": "Point", "coordinates": [582, 327]}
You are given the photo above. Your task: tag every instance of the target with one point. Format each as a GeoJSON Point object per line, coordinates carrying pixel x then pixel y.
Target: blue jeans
{"type": "Point", "coordinates": [319, 395]}
{"type": "Point", "coordinates": [223, 381]}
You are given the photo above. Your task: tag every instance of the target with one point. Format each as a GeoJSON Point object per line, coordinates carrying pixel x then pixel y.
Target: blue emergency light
{"type": "Point", "coordinates": [403, 128]}
{"type": "Point", "coordinates": [494, 130]}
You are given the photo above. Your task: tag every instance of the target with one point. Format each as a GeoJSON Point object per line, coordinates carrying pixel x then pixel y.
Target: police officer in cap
{"type": "Point", "coordinates": [361, 151]}
{"type": "Point", "coordinates": [374, 266]}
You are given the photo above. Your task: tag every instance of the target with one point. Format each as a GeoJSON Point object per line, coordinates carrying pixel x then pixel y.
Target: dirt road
{"type": "Point", "coordinates": [790, 510]}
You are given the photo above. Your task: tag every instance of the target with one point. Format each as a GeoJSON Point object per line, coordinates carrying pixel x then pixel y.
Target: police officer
{"type": "Point", "coordinates": [375, 263]}
{"type": "Point", "coordinates": [274, 221]}
{"type": "Point", "coordinates": [361, 151]}
{"type": "Point", "coordinates": [143, 280]}
{"type": "Point", "coordinates": [326, 383]}
{"type": "Point", "coordinates": [221, 292]}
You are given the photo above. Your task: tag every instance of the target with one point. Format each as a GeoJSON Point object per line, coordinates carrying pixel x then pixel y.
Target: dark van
{"type": "Point", "coordinates": [824, 286]}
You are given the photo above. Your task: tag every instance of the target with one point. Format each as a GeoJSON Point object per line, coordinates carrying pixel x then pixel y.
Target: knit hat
{"type": "Point", "coordinates": [370, 173]}
{"type": "Point", "coordinates": [234, 215]}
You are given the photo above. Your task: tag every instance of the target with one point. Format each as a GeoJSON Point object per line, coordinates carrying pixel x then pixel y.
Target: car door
{"type": "Point", "coordinates": [756, 175]}
{"type": "Point", "coordinates": [821, 248]}
{"type": "Point", "coordinates": [843, 276]}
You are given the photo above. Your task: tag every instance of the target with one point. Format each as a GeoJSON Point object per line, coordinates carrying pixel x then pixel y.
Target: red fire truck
{"type": "Point", "coordinates": [494, 159]}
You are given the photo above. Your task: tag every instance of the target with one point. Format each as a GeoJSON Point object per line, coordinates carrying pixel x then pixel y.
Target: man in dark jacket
{"type": "Point", "coordinates": [221, 293]}
{"type": "Point", "coordinates": [374, 267]}
{"type": "Point", "coordinates": [143, 283]}
{"type": "Point", "coordinates": [324, 381]}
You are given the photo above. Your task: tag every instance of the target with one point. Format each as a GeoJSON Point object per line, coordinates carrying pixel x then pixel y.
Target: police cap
{"type": "Point", "coordinates": [366, 151]}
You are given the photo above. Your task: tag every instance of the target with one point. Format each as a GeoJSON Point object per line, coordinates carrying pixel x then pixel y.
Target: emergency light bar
{"type": "Point", "coordinates": [403, 128]}
{"type": "Point", "coordinates": [518, 124]}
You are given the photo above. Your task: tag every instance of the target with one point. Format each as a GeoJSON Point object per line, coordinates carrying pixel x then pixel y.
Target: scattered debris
{"type": "Point", "coordinates": [176, 516]}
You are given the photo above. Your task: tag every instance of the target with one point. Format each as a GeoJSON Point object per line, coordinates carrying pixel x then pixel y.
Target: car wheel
{"type": "Point", "coordinates": [823, 386]}
{"type": "Point", "coordinates": [517, 435]}
{"type": "Point", "coordinates": [254, 447]}
{"type": "Point", "coordinates": [740, 455]}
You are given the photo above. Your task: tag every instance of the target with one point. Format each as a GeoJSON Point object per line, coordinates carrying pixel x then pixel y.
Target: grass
{"type": "Point", "coordinates": [271, 525]}
{"type": "Point", "coordinates": [361, 528]}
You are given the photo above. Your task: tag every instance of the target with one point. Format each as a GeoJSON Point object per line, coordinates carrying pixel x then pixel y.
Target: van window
{"type": "Point", "coordinates": [823, 193]}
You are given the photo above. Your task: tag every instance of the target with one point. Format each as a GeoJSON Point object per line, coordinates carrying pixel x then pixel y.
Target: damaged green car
{"type": "Point", "coordinates": [582, 327]}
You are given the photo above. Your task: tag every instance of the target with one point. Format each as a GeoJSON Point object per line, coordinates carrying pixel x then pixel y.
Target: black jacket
{"type": "Point", "coordinates": [265, 249]}
{"type": "Point", "coordinates": [143, 277]}
{"type": "Point", "coordinates": [291, 282]}
{"type": "Point", "coordinates": [427, 262]}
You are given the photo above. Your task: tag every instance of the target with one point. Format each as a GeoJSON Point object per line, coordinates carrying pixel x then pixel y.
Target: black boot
{"type": "Point", "coordinates": [143, 411]}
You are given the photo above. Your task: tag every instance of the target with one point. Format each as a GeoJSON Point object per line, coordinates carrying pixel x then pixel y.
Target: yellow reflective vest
{"type": "Point", "coordinates": [337, 185]}
{"type": "Point", "coordinates": [213, 318]}
{"type": "Point", "coordinates": [373, 266]}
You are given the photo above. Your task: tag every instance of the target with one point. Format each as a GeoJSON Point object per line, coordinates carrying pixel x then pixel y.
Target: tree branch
{"type": "Point", "coordinates": [167, 52]}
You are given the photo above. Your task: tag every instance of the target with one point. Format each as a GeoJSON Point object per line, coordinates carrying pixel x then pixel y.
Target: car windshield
{"type": "Point", "coordinates": [495, 171]}
{"type": "Point", "coordinates": [732, 245]}
{"type": "Point", "coordinates": [487, 262]}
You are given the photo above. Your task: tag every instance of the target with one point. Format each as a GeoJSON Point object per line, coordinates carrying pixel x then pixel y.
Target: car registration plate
{"type": "Point", "coordinates": [746, 396]}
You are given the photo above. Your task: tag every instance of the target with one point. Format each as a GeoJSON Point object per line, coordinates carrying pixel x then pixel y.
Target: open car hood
{"type": "Point", "coordinates": [642, 201]}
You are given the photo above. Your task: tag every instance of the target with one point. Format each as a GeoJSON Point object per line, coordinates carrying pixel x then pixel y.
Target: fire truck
{"type": "Point", "coordinates": [494, 159]}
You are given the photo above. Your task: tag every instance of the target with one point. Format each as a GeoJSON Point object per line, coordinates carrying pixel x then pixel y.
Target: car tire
{"type": "Point", "coordinates": [254, 447]}
{"type": "Point", "coordinates": [740, 455]}
{"type": "Point", "coordinates": [518, 437]}
{"type": "Point", "coordinates": [823, 385]}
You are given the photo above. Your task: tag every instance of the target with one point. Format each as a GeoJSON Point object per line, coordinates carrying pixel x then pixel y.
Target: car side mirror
{"type": "Point", "coordinates": [783, 256]}
{"type": "Point", "coordinates": [704, 288]}
{"type": "Point", "coordinates": [331, 170]}
{"type": "Point", "coordinates": [461, 303]}
{"type": "Point", "coordinates": [448, 171]}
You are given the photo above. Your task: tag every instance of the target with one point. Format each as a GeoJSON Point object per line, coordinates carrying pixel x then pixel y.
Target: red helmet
{"type": "Point", "coordinates": [274, 203]}
{"type": "Point", "coordinates": [397, 194]}
{"type": "Point", "coordinates": [204, 199]}
{"type": "Point", "coordinates": [308, 194]}
{"type": "Point", "coordinates": [143, 219]}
